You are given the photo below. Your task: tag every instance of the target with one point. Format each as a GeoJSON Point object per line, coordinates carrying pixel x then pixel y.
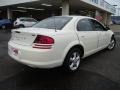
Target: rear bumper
{"type": "Point", "coordinates": [37, 64]}
{"type": "Point", "coordinates": [36, 58]}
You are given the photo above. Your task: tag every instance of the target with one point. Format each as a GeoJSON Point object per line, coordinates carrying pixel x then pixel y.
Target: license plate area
{"type": "Point", "coordinates": [23, 38]}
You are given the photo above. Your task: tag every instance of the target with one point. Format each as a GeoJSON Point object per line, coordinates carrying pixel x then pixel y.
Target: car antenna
{"type": "Point", "coordinates": [54, 23]}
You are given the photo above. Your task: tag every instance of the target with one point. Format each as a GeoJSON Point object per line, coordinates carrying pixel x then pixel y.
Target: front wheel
{"type": "Point", "coordinates": [72, 60]}
{"type": "Point", "coordinates": [112, 44]}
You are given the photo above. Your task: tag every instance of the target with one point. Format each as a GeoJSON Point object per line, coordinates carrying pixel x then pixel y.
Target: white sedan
{"type": "Point", "coordinates": [24, 22]}
{"type": "Point", "coordinates": [60, 41]}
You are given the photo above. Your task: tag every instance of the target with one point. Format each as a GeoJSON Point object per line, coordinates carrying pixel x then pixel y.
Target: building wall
{"type": "Point", "coordinates": [98, 3]}
{"type": "Point", "coordinates": [102, 4]}
{"type": "Point", "coordinates": [11, 2]}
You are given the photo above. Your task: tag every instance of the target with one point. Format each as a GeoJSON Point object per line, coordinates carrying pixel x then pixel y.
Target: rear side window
{"type": "Point", "coordinates": [84, 25]}
{"type": "Point", "coordinates": [31, 20]}
{"type": "Point", "coordinates": [53, 23]}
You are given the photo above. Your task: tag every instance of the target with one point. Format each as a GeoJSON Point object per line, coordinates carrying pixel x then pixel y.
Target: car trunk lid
{"type": "Point", "coordinates": [26, 36]}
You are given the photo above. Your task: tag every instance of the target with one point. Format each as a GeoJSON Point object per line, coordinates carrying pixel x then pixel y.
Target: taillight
{"type": "Point", "coordinates": [43, 42]}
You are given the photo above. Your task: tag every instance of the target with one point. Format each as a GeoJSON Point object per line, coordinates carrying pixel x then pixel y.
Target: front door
{"type": "Point", "coordinates": [102, 34]}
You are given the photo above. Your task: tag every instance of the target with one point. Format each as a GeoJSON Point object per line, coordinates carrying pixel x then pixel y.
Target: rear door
{"type": "Point", "coordinates": [30, 22]}
{"type": "Point", "coordinates": [27, 23]}
{"type": "Point", "coordinates": [87, 36]}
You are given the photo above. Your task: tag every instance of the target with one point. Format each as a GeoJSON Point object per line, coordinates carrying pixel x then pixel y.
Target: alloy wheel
{"type": "Point", "coordinates": [74, 61]}
{"type": "Point", "coordinates": [112, 44]}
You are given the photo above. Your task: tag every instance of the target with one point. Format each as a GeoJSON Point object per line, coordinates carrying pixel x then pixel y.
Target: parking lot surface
{"type": "Point", "coordinates": [100, 71]}
{"type": "Point", "coordinates": [115, 28]}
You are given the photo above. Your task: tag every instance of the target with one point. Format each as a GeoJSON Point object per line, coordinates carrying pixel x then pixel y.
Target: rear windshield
{"type": "Point", "coordinates": [53, 23]}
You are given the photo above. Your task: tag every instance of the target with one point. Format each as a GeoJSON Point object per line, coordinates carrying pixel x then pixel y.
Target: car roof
{"type": "Point", "coordinates": [79, 17]}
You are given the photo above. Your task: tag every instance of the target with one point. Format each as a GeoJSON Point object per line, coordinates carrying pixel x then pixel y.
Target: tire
{"type": "Point", "coordinates": [112, 44]}
{"type": "Point", "coordinates": [72, 60]}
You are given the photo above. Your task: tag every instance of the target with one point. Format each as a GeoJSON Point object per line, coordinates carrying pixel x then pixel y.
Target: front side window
{"type": "Point", "coordinates": [84, 25]}
{"type": "Point", "coordinates": [53, 23]}
{"type": "Point", "coordinates": [97, 26]}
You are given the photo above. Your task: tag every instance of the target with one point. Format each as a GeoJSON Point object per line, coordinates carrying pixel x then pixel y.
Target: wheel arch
{"type": "Point", "coordinates": [75, 45]}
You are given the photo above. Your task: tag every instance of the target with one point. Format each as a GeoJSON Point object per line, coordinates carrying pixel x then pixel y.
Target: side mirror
{"type": "Point", "coordinates": [107, 28]}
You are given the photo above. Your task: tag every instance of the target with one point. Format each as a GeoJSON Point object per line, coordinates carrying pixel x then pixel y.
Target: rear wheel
{"type": "Point", "coordinates": [112, 44]}
{"type": "Point", "coordinates": [72, 60]}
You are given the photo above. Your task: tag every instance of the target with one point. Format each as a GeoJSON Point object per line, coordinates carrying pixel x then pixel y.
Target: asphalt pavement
{"type": "Point", "coordinates": [100, 71]}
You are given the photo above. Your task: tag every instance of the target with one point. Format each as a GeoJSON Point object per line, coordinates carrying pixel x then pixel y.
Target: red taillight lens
{"type": "Point", "coordinates": [43, 42]}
